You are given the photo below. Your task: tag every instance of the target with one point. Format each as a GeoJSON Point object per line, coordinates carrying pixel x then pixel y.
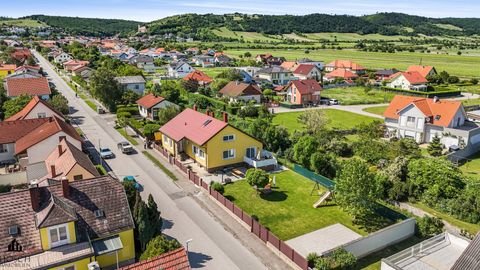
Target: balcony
{"type": "Point", "coordinates": [264, 160]}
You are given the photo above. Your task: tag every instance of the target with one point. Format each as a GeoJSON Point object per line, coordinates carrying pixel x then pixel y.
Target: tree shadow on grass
{"type": "Point", "coordinates": [230, 198]}
{"type": "Point", "coordinates": [274, 196]}
{"type": "Point", "coordinates": [372, 223]}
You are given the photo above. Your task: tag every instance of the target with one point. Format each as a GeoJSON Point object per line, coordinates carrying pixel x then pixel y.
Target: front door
{"type": "Point", "coordinates": [251, 152]}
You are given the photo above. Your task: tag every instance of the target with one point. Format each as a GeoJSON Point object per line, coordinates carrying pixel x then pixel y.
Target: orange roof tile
{"type": "Point", "coordinates": [173, 260]}
{"type": "Point", "coordinates": [11, 131]}
{"type": "Point", "coordinates": [306, 86]}
{"type": "Point", "coordinates": [341, 73]}
{"type": "Point", "coordinates": [423, 70]}
{"type": "Point", "coordinates": [29, 107]}
{"type": "Point", "coordinates": [235, 89]}
{"type": "Point", "coordinates": [441, 112]}
{"type": "Point", "coordinates": [346, 64]}
{"type": "Point", "coordinates": [27, 86]}
{"type": "Point", "coordinates": [413, 77]}
{"type": "Point", "coordinates": [304, 69]}
{"type": "Point", "coordinates": [150, 100]}
{"type": "Point", "coordinates": [199, 76]}
{"type": "Point", "coordinates": [290, 65]}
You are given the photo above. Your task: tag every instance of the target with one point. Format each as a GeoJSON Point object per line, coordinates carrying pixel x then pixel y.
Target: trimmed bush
{"type": "Point", "coordinates": [218, 187]}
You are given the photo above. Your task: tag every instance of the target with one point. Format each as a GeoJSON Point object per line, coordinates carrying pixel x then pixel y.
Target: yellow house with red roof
{"type": "Point", "coordinates": [6, 70]}
{"type": "Point", "coordinates": [211, 143]}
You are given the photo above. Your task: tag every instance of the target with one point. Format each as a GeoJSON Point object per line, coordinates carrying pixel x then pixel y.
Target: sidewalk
{"type": "Point", "coordinates": [230, 224]}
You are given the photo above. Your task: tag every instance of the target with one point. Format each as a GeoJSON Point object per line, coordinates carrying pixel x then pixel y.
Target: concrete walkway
{"type": "Point", "coordinates": [420, 213]}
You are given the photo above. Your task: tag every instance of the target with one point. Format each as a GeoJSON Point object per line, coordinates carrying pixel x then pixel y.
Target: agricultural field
{"type": "Point", "coordinates": [336, 119]}
{"type": "Point", "coordinates": [464, 66]}
{"type": "Point", "coordinates": [357, 95]}
{"type": "Point", "coordinates": [22, 23]}
{"type": "Point", "coordinates": [247, 36]}
{"type": "Point", "coordinates": [352, 37]}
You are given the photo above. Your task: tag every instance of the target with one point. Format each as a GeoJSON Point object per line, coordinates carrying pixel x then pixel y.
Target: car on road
{"type": "Point", "coordinates": [333, 102]}
{"type": "Point", "coordinates": [106, 153]}
{"type": "Point", "coordinates": [125, 147]}
{"type": "Point", "coordinates": [132, 179]}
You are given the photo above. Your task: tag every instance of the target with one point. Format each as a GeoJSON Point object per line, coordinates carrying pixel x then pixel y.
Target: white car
{"type": "Point", "coordinates": [333, 102]}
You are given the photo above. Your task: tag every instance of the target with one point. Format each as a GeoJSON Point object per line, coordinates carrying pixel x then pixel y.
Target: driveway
{"type": "Point", "coordinates": [213, 247]}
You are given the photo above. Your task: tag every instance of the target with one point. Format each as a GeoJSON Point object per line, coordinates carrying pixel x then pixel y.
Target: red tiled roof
{"type": "Point", "coordinates": [235, 89]}
{"type": "Point", "coordinates": [29, 107]}
{"type": "Point", "coordinates": [289, 65]}
{"type": "Point", "coordinates": [11, 131]}
{"type": "Point", "coordinates": [413, 77]}
{"type": "Point", "coordinates": [173, 260]}
{"type": "Point", "coordinates": [346, 64]}
{"type": "Point", "coordinates": [27, 86]}
{"type": "Point", "coordinates": [195, 126]}
{"type": "Point", "coordinates": [49, 128]}
{"type": "Point", "coordinates": [21, 53]}
{"type": "Point", "coordinates": [150, 100]}
{"type": "Point", "coordinates": [7, 67]}
{"type": "Point", "coordinates": [441, 112]}
{"type": "Point", "coordinates": [27, 67]}
{"type": "Point", "coordinates": [307, 86]}
{"type": "Point", "coordinates": [341, 73]}
{"type": "Point", "coordinates": [423, 70]}
{"type": "Point", "coordinates": [198, 76]}
{"type": "Point", "coordinates": [303, 69]}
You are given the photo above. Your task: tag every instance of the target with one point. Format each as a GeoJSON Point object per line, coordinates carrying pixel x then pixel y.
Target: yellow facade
{"type": "Point", "coordinates": [214, 148]}
{"type": "Point", "coordinates": [44, 235]}
{"type": "Point", "coordinates": [81, 264]}
{"type": "Point", "coordinates": [126, 253]}
{"type": "Point", "coordinates": [78, 170]}
{"type": "Point", "coordinates": [5, 72]}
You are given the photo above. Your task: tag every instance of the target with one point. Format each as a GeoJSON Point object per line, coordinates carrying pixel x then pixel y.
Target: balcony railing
{"type": "Point", "coordinates": [266, 160]}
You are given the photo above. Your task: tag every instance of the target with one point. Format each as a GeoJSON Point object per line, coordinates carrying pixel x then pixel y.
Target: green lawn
{"type": "Point", "coordinates": [470, 102]}
{"type": "Point", "coordinates": [247, 36]}
{"type": "Point", "coordinates": [212, 72]}
{"type": "Point", "coordinates": [357, 95]}
{"type": "Point", "coordinates": [288, 211]}
{"type": "Point", "coordinates": [352, 37]}
{"type": "Point", "coordinates": [336, 119]}
{"type": "Point", "coordinates": [472, 167]}
{"type": "Point", "coordinates": [376, 110]}
{"type": "Point", "coordinates": [471, 228]}
{"type": "Point", "coordinates": [462, 66]}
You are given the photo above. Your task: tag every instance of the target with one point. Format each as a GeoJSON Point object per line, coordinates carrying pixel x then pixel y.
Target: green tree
{"type": "Point", "coordinates": [3, 99]}
{"type": "Point", "coordinates": [14, 105]}
{"type": "Point", "coordinates": [150, 129]}
{"type": "Point", "coordinates": [129, 97]}
{"type": "Point", "coordinates": [131, 193]}
{"type": "Point", "coordinates": [324, 164]}
{"type": "Point", "coordinates": [158, 246]}
{"type": "Point", "coordinates": [303, 149]}
{"type": "Point", "coordinates": [429, 226]}
{"type": "Point", "coordinates": [104, 87]}
{"type": "Point", "coordinates": [356, 189]}
{"type": "Point", "coordinates": [276, 138]}
{"type": "Point", "coordinates": [435, 148]}
{"type": "Point", "coordinates": [154, 217]}
{"type": "Point", "coordinates": [166, 114]}
{"type": "Point", "coordinates": [218, 84]}
{"type": "Point", "coordinates": [170, 90]}
{"type": "Point", "coordinates": [60, 103]}
{"type": "Point", "coordinates": [314, 121]}
{"type": "Point", "coordinates": [145, 231]}
{"type": "Point", "coordinates": [257, 177]}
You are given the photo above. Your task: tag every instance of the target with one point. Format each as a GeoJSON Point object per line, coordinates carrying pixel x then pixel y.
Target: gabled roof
{"type": "Point", "coordinates": [412, 77]}
{"type": "Point", "coordinates": [441, 112]}
{"type": "Point", "coordinates": [235, 89]}
{"type": "Point", "coordinates": [306, 86]}
{"type": "Point", "coordinates": [274, 69]}
{"type": "Point", "coordinates": [30, 106]}
{"type": "Point", "coordinates": [130, 79]}
{"type": "Point", "coordinates": [11, 131]}
{"type": "Point", "coordinates": [150, 100]}
{"type": "Point", "coordinates": [173, 260]}
{"type": "Point", "coordinates": [304, 69]}
{"type": "Point", "coordinates": [67, 159]}
{"type": "Point", "coordinates": [56, 212]}
{"type": "Point", "coordinates": [341, 73]}
{"type": "Point", "coordinates": [198, 76]}
{"type": "Point", "coordinates": [52, 126]}
{"type": "Point", "coordinates": [194, 126]}
{"type": "Point", "coordinates": [27, 86]}
{"type": "Point", "coordinates": [346, 64]}
{"type": "Point", "coordinates": [290, 65]}
{"type": "Point", "coordinates": [423, 70]}
{"type": "Point", "coordinates": [470, 258]}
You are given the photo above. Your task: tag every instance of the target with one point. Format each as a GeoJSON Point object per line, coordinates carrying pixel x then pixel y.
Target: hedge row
{"type": "Point", "coordinates": [424, 94]}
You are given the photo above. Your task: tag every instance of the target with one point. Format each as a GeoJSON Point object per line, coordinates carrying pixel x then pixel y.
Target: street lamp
{"type": "Point", "coordinates": [187, 242]}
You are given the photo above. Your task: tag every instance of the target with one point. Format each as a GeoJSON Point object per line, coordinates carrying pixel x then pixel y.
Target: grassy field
{"type": "Point", "coordinates": [351, 37]}
{"type": "Point", "coordinates": [471, 228]}
{"type": "Point", "coordinates": [472, 167]}
{"type": "Point", "coordinates": [288, 210]}
{"type": "Point", "coordinates": [212, 72]}
{"type": "Point", "coordinates": [462, 66]}
{"type": "Point", "coordinates": [356, 95]}
{"type": "Point", "coordinates": [247, 36]}
{"type": "Point", "coordinates": [336, 119]}
{"type": "Point", "coordinates": [470, 102]}
{"type": "Point", "coordinates": [23, 23]}
{"type": "Point", "coordinates": [376, 110]}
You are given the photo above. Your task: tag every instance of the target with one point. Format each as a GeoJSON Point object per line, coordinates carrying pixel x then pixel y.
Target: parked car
{"type": "Point", "coordinates": [333, 102]}
{"type": "Point", "coordinates": [125, 147]}
{"type": "Point", "coordinates": [106, 153]}
{"type": "Point", "coordinates": [132, 179]}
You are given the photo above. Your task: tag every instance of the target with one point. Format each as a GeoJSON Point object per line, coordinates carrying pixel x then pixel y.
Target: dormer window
{"type": "Point", "coordinates": [99, 213]}
{"type": "Point", "coordinates": [58, 235]}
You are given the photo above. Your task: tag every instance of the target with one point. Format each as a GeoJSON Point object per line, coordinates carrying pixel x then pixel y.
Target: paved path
{"type": "Point", "coordinates": [420, 213]}
{"type": "Point", "coordinates": [213, 247]}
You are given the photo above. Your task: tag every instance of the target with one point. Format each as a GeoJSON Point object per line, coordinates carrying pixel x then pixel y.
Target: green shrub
{"type": "Point", "coordinates": [133, 110]}
{"type": "Point", "coordinates": [429, 226]}
{"type": "Point", "coordinates": [5, 188]}
{"type": "Point", "coordinates": [257, 177]}
{"type": "Point", "coordinates": [218, 187]}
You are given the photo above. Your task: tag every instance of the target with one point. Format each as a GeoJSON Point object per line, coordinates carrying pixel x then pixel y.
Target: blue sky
{"type": "Point", "coordinates": [147, 10]}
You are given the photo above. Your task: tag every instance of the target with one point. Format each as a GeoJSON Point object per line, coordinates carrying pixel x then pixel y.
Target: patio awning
{"type": "Point", "coordinates": [107, 245]}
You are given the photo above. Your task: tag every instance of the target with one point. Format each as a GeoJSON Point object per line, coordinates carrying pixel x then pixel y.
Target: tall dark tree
{"type": "Point", "coordinates": [435, 148]}
{"type": "Point", "coordinates": [104, 87]}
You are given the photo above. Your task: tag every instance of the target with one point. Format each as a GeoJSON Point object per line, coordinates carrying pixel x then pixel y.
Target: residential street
{"type": "Point", "coordinates": [212, 246]}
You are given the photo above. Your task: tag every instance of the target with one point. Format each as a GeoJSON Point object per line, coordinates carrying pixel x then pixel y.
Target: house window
{"type": "Point", "coordinates": [58, 236]}
{"type": "Point", "coordinates": [78, 177]}
{"type": "Point", "coordinates": [195, 150]}
{"type": "Point", "coordinates": [251, 152]}
{"type": "Point", "coordinates": [41, 115]}
{"type": "Point", "coordinates": [201, 154]}
{"type": "Point", "coordinates": [229, 154]}
{"type": "Point", "coordinates": [410, 121]}
{"type": "Point", "coordinates": [228, 138]}
{"type": "Point", "coordinates": [137, 87]}
{"type": "Point", "coordinates": [3, 148]}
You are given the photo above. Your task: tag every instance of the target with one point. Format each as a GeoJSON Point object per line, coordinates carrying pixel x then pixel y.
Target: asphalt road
{"type": "Point", "coordinates": [212, 247]}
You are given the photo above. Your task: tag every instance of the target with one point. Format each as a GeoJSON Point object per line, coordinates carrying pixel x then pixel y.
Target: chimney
{"type": "Point", "coordinates": [65, 187]}
{"type": "Point", "coordinates": [195, 107]}
{"type": "Point", "coordinates": [52, 169]}
{"type": "Point", "coordinates": [212, 114]}
{"type": "Point", "coordinates": [435, 99]}
{"type": "Point", "coordinates": [225, 117]}
{"type": "Point", "coordinates": [35, 197]}
{"type": "Point", "coordinates": [61, 138]}
{"type": "Point", "coordinates": [207, 112]}
{"type": "Point", "coordinates": [60, 150]}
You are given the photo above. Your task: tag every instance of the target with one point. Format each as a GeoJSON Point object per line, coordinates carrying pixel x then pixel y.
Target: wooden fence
{"type": "Point", "coordinates": [255, 227]}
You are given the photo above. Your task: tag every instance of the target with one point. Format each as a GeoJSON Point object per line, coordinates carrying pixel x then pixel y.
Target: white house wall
{"type": "Point", "coordinates": [41, 108]}
{"type": "Point", "coordinates": [10, 154]}
{"type": "Point", "coordinates": [40, 151]}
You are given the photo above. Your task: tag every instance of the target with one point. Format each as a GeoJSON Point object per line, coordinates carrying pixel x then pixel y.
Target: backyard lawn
{"type": "Point", "coordinates": [472, 167]}
{"type": "Point", "coordinates": [288, 211]}
{"type": "Point", "coordinates": [212, 72]}
{"type": "Point", "coordinates": [356, 95]}
{"type": "Point", "coordinates": [336, 119]}
{"type": "Point", "coordinates": [376, 110]}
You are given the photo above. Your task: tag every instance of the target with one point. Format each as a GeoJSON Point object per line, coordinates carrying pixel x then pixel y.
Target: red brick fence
{"type": "Point", "coordinates": [255, 227]}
